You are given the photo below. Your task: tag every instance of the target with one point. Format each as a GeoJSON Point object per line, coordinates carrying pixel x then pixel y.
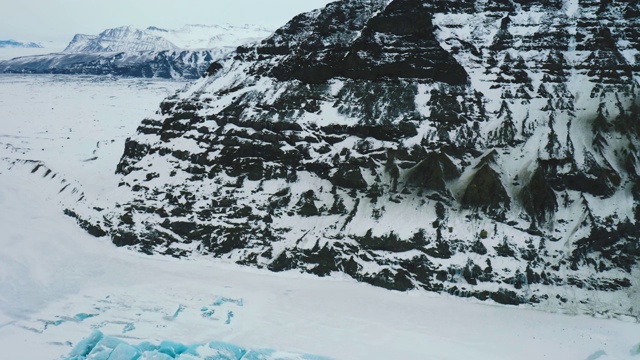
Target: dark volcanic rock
{"type": "Point", "coordinates": [538, 198]}
{"type": "Point", "coordinates": [432, 172]}
{"type": "Point", "coordinates": [486, 192]}
{"type": "Point", "coordinates": [378, 51]}
{"type": "Point", "coordinates": [409, 144]}
{"type": "Point", "coordinates": [349, 176]}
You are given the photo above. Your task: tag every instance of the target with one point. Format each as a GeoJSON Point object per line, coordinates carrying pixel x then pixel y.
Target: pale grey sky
{"type": "Point", "coordinates": [59, 20]}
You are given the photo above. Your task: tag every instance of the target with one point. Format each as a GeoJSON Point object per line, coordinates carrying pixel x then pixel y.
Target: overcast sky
{"type": "Point", "coordinates": [47, 20]}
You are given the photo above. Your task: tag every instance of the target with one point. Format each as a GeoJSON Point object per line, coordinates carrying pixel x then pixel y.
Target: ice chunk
{"type": "Point", "coordinates": [172, 348]}
{"type": "Point", "coordinates": [83, 316]}
{"type": "Point", "coordinates": [84, 347]}
{"type": "Point", "coordinates": [147, 346]}
{"type": "Point", "coordinates": [104, 348]}
{"type": "Point", "coordinates": [100, 347]}
{"type": "Point", "coordinates": [192, 351]}
{"type": "Point", "coordinates": [124, 352]}
{"type": "Point", "coordinates": [221, 351]}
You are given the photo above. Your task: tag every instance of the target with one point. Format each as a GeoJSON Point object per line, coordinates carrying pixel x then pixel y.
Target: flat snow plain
{"type": "Point", "coordinates": [59, 284]}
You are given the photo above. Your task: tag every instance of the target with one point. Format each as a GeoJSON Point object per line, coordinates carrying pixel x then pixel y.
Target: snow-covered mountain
{"type": "Point", "coordinates": [131, 39]}
{"type": "Point", "coordinates": [482, 148]}
{"type": "Point", "coordinates": [212, 36]}
{"type": "Point", "coordinates": [18, 44]}
{"type": "Point", "coordinates": [168, 64]}
{"type": "Point", "coordinates": [178, 54]}
{"type": "Point", "coordinates": [125, 39]}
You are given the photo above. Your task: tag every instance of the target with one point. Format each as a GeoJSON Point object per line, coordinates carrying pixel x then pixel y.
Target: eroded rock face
{"type": "Point", "coordinates": [396, 41]}
{"type": "Point", "coordinates": [485, 192]}
{"type": "Point", "coordinates": [538, 198]}
{"type": "Point", "coordinates": [410, 144]}
{"type": "Point", "coordinates": [433, 172]}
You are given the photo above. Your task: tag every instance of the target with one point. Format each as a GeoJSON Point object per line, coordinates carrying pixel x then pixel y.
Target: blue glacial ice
{"type": "Point", "coordinates": [172, 348]}
{"type": "Point", "coordinates": [100, 347]}
{"type": "Point", "coordinates": [83, 316]}
{"type": "Point", "coordinates": [124, 352]}
{"type": "Point", "coordinates": [84, 347]}
{"type": "Point", "coordinates": [104, 348]}
{"type": "Point", "coordinates": [225, 300]}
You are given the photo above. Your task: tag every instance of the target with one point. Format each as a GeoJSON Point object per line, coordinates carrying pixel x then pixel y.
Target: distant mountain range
{"type": "Point", "coordinates": [18, 44]}
{"type": "Point", "coordinates": [185, 53]}
{"type": "Point", "coordinates": [128, 38]}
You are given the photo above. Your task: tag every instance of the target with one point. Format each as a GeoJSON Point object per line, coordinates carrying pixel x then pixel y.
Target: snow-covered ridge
{"type": "Point", "coordinates": [131, 39]}
{"type": "Point", "coordinates": [18, 44]}
{"type": "Point", "coordinates": [168, 64]}
{"type": "Point", "coordinates": [125, 38]}
{"type": "Point", "coordinates": [185, 53]}
{"type": "Point", "coordinates": [212, 36]}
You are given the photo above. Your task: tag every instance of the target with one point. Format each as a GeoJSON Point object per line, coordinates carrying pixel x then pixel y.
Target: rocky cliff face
{"type": "Point", "coordinates": [484, 148]}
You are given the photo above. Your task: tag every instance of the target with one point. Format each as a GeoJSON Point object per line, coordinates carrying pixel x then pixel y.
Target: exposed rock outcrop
{"type": "Point", "coordinates": [410, 144]}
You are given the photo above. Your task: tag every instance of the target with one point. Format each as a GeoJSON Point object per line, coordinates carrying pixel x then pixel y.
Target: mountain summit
{"type": "Point", "coordinates": [131, 39]}
{"type": "Point", "coordinates": [124, 38]}
{"type": "Point", "coordinates": [153, 52]}
{"type": "Point", "coordinates": [484, 148]}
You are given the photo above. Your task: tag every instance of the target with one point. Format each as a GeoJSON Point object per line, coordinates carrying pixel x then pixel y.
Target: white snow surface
{"type": "Point", "coordinates": [212, 36]}
{"type": "Point", "coordinates": [59, 284]}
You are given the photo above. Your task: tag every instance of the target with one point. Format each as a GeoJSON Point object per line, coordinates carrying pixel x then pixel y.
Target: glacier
{"type": "Point", "coordinates": [134, 297]}
{"type": "Point", "coordinates": [97, 346]}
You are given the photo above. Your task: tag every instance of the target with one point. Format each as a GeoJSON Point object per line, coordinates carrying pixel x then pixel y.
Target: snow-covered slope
{"type": "Point", "coordinates": [177, 54]}
{"type": "Point", "coordinates": [58, 285]}
{"type": "Point", "coordinates": [131, 39]}
{"type": "Point", "coordinates": [126, 38]}
{"type": "Point", "coordinates": [483, 148]}
{"type": "Point", "coordinates": [212, 36]}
